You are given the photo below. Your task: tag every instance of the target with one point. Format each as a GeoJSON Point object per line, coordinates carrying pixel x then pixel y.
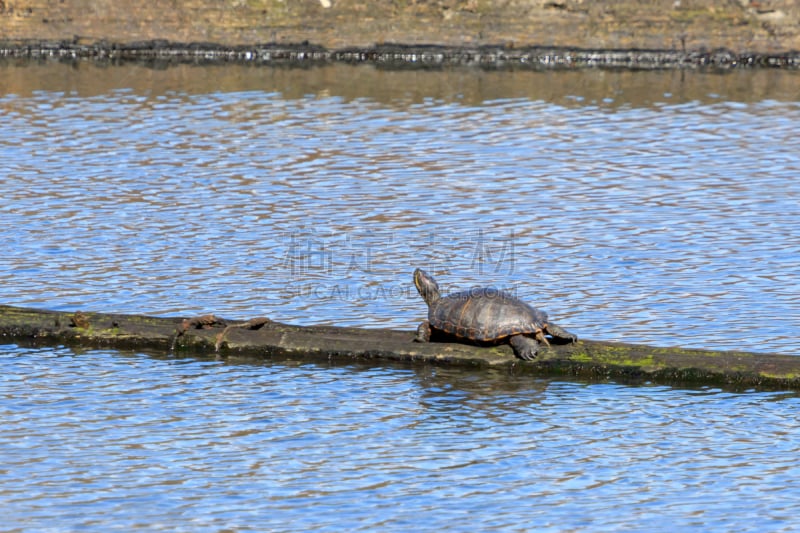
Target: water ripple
{"type": "Point", "coordinates": [203, 445]}
{"type": "Point", "coordinates": [671, 223]}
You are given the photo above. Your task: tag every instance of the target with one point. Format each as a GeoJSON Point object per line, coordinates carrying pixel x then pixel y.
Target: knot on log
{"type": "Point", "coordinates": [79, 320]}
{"type": "Point", "coordinates": [198, 322]}
{"type": "Point", "coordinates": [253, 323]}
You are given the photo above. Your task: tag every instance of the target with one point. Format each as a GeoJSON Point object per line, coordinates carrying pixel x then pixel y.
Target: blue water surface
{"type": "Point", "coordinates": [669, 221]}
{"type": "Point", "coordinates": [109, 441]}
{"type": "Point", "coordinates": [645, 207]}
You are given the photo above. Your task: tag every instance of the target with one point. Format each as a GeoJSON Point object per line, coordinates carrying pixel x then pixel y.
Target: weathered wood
{"type": "Point", "coordinates": [264, 339]}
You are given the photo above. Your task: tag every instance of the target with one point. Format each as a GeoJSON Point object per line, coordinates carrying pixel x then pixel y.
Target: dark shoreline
{"type": "Point", "coordinates": [398, 55]}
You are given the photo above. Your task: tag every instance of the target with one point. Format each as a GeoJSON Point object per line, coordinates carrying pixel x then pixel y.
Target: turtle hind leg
{"type": "Point", "coordinates": [423, 332]}
{"type": "Point", "coordinates": [524, 347]}
{"type": "Point", "coordinates": [560, 333]}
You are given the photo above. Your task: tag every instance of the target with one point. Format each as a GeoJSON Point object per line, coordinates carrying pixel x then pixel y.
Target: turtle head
{"type": "Point", "coordinates": [427, 286]}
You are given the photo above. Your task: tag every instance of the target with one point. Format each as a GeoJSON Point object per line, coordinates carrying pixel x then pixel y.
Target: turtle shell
{"type": "Point", "coordinates": [485, 315]}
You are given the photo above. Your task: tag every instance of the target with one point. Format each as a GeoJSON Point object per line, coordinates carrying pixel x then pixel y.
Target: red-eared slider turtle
{"type": "Point", "coordinates": [485, 316]}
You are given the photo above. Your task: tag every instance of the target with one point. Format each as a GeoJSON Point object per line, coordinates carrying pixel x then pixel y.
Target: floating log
{"type": "Point", "coordinates": [262, 338]}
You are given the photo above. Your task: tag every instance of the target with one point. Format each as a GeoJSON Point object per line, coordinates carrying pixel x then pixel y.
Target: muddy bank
{"type": "Point", "coordinates": [630, 33]}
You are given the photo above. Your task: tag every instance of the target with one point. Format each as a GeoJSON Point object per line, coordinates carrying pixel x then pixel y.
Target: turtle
{"type": "Point", "coordinates": [484, 316]}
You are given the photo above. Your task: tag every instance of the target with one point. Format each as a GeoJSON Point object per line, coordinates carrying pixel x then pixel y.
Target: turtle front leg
{"type": "Point", "coordinates": [560, 333]}
{"type": "Point", "coordinates": [524, 347]}
{"type": "Point", "coordinates": [423, 332]}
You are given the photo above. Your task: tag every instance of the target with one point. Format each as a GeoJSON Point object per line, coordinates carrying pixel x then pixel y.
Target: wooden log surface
{"type": "Point", "coordinates": [265, 339]}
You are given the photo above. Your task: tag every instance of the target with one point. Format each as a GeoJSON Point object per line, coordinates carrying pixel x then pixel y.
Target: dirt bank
{"type": "Point", "coordinates": [741, 26]}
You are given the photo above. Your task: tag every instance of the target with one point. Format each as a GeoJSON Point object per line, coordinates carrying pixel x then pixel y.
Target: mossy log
{"type": "Point", "coordinates": [264, 339]}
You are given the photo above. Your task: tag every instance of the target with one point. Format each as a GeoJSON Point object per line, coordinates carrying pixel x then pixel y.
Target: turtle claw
{"type": "Point", "coordinates": [527, 356]}
{"type": "Point", "coordinates": [524, 347]}
{"type": "Point", "coordinates": [561, 334]}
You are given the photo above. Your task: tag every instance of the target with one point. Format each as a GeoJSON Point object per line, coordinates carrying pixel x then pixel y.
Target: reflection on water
{"type": "Point", "coordinates": [106, 440]}
{"type": "Point", "coordinates": [398, 88]}
{"type": "Point", "coordinates": [650, 207]}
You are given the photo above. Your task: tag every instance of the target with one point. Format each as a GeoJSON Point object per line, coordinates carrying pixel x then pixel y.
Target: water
{"type": "Point", "coordinates": [666, 217]}
{"type": "Point", "coordinates": [647, 207]}
{"type": "Point", "coordinates": [124, 441]}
